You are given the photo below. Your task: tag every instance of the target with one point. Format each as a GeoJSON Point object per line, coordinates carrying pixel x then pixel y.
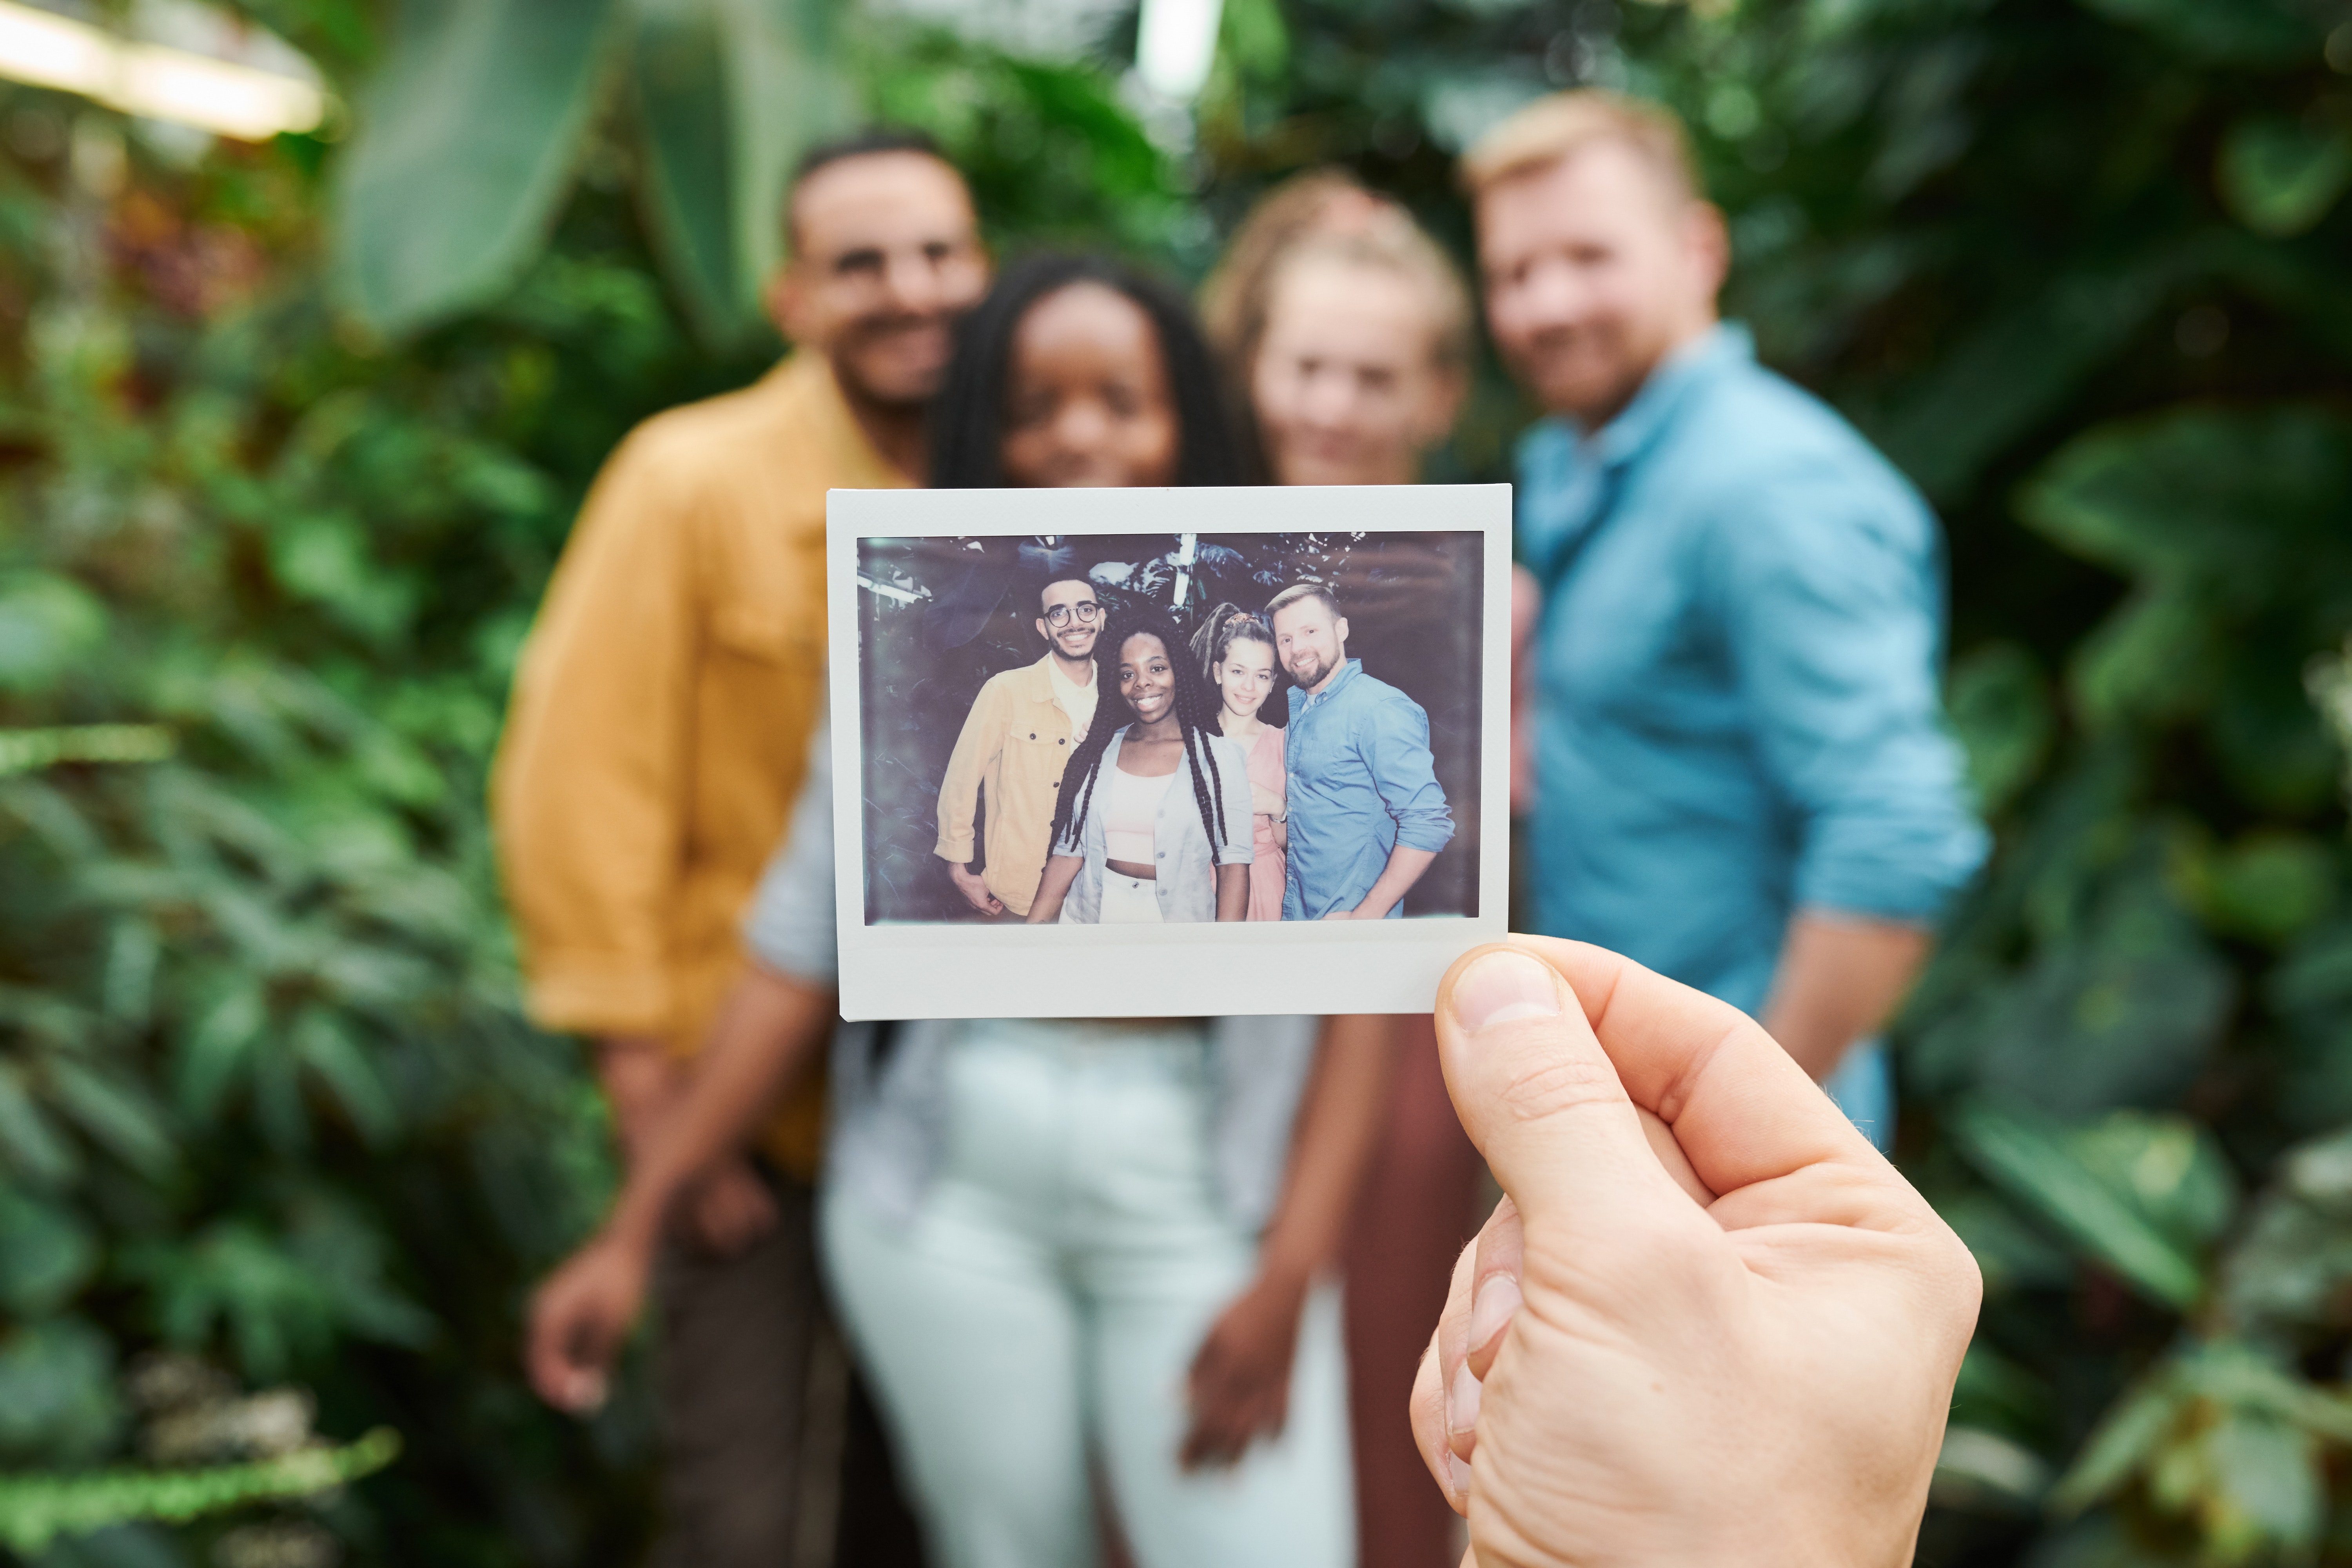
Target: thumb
{"type": "Point", "coordinates": [1542, 1100]}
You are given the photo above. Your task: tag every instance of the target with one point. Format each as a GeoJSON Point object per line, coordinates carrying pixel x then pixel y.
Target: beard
{"type": "Point", "coordinates": [1308, 670]}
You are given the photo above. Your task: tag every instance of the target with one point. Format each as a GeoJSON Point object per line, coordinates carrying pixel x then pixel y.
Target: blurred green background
{"type": "Point", "coordinates": [291, 433]}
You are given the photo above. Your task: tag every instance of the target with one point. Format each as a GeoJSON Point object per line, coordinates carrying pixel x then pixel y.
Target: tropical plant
{"type": "Point", "coordinates": [480, 117]}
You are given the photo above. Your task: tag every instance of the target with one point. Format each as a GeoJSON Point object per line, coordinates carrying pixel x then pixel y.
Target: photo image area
{"type": "Point", "coordinates": [938, 618]}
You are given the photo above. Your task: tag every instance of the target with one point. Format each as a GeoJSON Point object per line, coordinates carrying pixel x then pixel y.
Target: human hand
{"type": "Point", "coordinates": [1263, 801]}
{"type": "Point", "coordinates": [729, 1209]}
{"type": "Point", "coordinates": [1239, 1388]}
{"type": "Point", "coordinates": [1635, 1377]}
{"type": "Point", "coordinates": [579, 1319]}
{"type": "Point", "coordinates": [1340, 915]}
{"type": "Point", "coordinates": [975, 891]}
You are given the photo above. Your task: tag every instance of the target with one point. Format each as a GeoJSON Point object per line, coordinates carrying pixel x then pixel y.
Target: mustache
{"type": "Point", "coordinates": [884, 323]}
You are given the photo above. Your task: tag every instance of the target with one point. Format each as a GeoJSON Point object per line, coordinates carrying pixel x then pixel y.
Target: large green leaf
{"type": "Point", "coordinates": [2228, 497]}
{"type": "Point", "coordinates": [2032, 1161]}
{"type": "Point", "coordinates": [728, 94]}
{"type": "Point", "coordinates": [464, 146]}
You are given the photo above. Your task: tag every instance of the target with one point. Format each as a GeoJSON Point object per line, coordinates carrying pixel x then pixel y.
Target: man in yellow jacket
{"type": "Point", "coordinates": [1014, 744]}
{"type": "Point", "coordinates": [659, 726]}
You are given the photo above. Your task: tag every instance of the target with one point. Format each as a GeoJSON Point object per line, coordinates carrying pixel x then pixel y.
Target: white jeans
{"type": "Point", "coordinates": [1046, 1302]}
{"type": "Point", "coordinates": [1126, 900]}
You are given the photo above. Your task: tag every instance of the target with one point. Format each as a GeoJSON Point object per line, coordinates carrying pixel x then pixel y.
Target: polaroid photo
{"type": "Point", "coordinates": [1167, 753]}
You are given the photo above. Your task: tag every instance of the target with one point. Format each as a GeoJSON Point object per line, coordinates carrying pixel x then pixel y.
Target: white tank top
{"type": "Point", "coordinates": [1130, 814]}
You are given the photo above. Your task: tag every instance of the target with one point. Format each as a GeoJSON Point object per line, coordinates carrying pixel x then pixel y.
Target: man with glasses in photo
{"type": "Point", "coordinates": [1022, 728]}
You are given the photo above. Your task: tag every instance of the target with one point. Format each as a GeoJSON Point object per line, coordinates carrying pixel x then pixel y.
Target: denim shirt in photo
{"type": "Point", "coordinates": [1185, 863]}
{"type": "Point", "coordinates": [1362, 782]}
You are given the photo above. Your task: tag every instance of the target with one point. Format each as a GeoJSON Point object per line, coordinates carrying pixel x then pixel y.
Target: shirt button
{"type": "Point", "coordinates": [1060, 742]}
{"type": "Point", "coordinates": [1164, 855]}
{"type": "Point", "coordinates": [1033, 734]}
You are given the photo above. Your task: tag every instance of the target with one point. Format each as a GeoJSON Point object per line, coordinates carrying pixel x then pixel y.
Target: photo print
{"type": "Point", "coordinates": [1166, 753]}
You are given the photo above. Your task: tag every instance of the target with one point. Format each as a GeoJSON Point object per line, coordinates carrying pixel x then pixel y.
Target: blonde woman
{"type": "Point", "coordinates": [1344, 330]}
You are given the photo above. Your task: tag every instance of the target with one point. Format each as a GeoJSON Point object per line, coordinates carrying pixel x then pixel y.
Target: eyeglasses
{"type": "Point", "coordinates": [1059, 615]}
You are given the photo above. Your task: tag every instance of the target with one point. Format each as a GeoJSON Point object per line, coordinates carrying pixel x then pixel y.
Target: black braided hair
{"type": "Point", "coordinates": [1196, 721]}
{"type": "Point", "coordinates": [1224, 625]}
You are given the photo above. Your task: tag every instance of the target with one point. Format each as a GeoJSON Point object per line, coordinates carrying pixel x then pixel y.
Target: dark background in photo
{"type": "Point", "coordinates": [937, 616]}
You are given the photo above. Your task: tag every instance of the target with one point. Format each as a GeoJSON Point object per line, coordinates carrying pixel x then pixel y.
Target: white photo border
{"type": "Point", "coordinates": [990, 971]}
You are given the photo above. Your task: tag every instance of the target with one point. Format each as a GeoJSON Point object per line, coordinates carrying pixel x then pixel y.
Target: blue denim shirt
{"type": "Point", "coordinates": [1738, 674]}
{"type": "Point", "coordinates": [1361, 783]}
{"type": "Point", "coordinates": [1186, 867]}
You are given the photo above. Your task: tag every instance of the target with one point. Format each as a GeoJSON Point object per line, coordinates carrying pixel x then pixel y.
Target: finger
{"type": "Point", "coordinates": [563, 1361]}
{"type": "Point", "coordinates": [1499, 1250]}
{"type": "Point", "coordinates": [1544, 1103]}
{"type": "Point", "coordinates": [1427, 1413]}
{"type": "Point", "coordinates": [1669, 1151]}
{"type": "Point", "coordinates": [1741, 1108]}
{"type": "Point", "coordinates": [1451, 1344]}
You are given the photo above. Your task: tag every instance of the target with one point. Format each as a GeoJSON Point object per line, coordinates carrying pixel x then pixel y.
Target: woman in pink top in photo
{"type": "Point", "coordinates": [1236, 652]}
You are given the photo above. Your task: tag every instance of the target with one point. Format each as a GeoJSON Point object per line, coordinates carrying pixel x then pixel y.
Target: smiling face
{"type": "Point", "coordinates": [1348, 384]}
{"type": "Point", "coordinates": [1596, 268]}
{"type": "Point", "coordinates": [1088, 401]}
{"type": "Point", "coordinates": [886, 256]}
{"type": "Point", "coordinates": [1313, 642]}
{"type": "Point", "coordinates": [1070, 619]}
{"type": "Point", "coordinates": [1245, 677]}
{"type": "Point", "coordinates": [1147, 681]}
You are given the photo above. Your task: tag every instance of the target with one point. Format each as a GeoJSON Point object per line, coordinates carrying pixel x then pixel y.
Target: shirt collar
{"type": "Point", "coordinates": [807, 377]}
{"type": "Point", "coordinates": [1348, 671]}
{"type": "Point", "coordinates": [1696, 362]}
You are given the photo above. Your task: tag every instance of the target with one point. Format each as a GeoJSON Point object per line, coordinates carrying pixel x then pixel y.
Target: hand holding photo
{"type": "Point", "coordinates": [1093, 732]}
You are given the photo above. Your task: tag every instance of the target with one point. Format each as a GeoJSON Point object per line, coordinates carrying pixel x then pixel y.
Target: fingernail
{"type": "Point", "coordinates": [1460, 1471]}
{"type": "Point", "coordinates": [1461, 1401]}
{"type": "Point", "coordinates": [1491, 1309]}
{"type": "Point", "coordinates": [1503, 987]}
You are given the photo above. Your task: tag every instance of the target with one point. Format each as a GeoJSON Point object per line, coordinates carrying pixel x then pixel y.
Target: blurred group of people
{"type": "Point", "coordinates": [1160, 1286]}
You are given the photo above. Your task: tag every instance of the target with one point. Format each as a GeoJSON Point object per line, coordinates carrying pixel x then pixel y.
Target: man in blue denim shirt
{"type": "Point", "coordinates": [1742, 777]}
{"type": "Point", "coordinates": [1366, 813]}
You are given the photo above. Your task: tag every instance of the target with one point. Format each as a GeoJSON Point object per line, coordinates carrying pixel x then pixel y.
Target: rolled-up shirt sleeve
{"type": "Point", "coordinates": [1831, 593]}
{"type": "Point", "coordinates": [1396, 739]}
{"type": "Point", "coordinates": [789, 925]}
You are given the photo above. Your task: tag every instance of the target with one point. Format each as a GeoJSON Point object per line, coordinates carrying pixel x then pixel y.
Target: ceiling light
{"type": "Point", "coordinates": [153, 80]}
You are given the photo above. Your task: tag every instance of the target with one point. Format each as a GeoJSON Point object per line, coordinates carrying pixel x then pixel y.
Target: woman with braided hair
{"type": "Point", "coordinates": [1124, 850]}
{"type": "Point", "coordinates": [1086, 1261]}
{"type": "Point", "coordinates": [1236, 652]}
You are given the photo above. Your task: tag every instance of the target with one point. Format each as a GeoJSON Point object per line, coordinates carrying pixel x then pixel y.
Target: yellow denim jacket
{"type": "Point", "coordinates": [660, 719]}
{"type": "Point", "coordinates": [1015, 743]}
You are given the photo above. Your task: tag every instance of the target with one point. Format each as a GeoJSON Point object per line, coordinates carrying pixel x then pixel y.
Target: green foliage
{"type": "Point", "coordinates": [482, 111]}
{"type": "Point", "coordinates": [36, 1509]}
{"type": "Point", "coordinates": [267, 1100]}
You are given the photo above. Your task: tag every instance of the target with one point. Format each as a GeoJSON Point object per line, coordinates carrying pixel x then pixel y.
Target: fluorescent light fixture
{"type": "Point", "coordinates": [1175, 44]}
{"type": "Point", "coordinates": [153, 80]}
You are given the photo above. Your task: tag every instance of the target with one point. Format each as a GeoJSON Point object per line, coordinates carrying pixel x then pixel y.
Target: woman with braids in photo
{"type": "Point", "coordinates": [1086, 1263]}
{"type": "Point", "coordinates": [1236, 652]}
{"type": "Point", "coordinates": [1124, 850]}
